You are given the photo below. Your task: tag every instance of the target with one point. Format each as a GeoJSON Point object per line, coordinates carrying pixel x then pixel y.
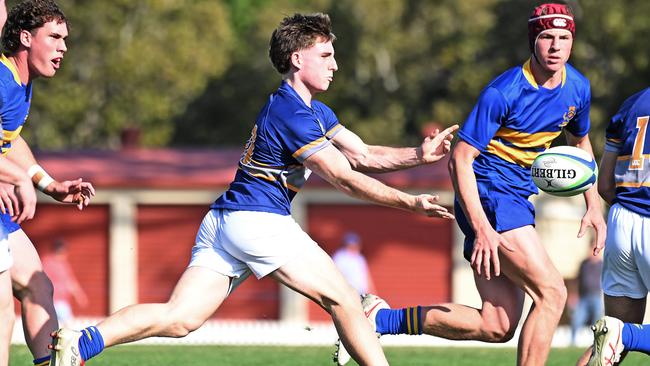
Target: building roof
{"type": "Point", "coordinates": [194, 169]}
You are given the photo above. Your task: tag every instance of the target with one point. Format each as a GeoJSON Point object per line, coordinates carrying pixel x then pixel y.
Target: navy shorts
{"type": "Point", "coordinates": [9, 225]}
{"type": "Point", "coordinates": [505, 210]}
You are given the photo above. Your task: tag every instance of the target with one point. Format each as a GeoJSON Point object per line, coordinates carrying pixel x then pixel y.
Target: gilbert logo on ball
{"type": "Point", "coordinates": [564, 171]}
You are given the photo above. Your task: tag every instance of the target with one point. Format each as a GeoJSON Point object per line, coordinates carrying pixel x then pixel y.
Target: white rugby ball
{"type": "Point", "coordinates": [564, 171]}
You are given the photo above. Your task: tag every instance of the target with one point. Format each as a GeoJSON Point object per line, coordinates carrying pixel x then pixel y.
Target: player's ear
{"type": "Point", "coordinates": [296, 60]}
{"type": "Point", "coordinates": [25, 38]}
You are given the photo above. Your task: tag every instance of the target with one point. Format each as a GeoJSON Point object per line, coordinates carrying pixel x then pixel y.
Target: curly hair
{"type": "Point", "coordinates": [295, 33]}
{"type": "Point", "coordinates": [28, 15]}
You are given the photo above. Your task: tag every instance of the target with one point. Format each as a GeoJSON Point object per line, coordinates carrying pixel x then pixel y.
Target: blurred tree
{"type": "Point", "coordinates": [196, 72]}
{"type": "Point", "coordinates": [397, 68]}
{"type": "Point", "coordinates": [611, 51]}
{"type": "Point", "coordinates": [411, 62]}
{"type": "Point", "coordinates": [129, 64]}
{"type": "Point", "coordinates": [225, 113]}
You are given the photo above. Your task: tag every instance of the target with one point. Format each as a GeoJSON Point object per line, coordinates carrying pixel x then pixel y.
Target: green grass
{"type": "Point", "coordinates": [307, 356]}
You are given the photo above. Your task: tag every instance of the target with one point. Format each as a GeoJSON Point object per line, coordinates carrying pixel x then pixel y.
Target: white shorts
{"type": "Point", "coordinates": [626, 263]}
{"type": "Point", "coordinates": [236, 243]}
{"type": "Point", "coordinates": [5, 253]}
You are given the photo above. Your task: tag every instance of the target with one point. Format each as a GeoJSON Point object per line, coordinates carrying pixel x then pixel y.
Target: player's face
{"type": "Point", "coordinates": [318, 66]}
{"type": "Point", "coordinates": [553, 49]}
{"type": "Point", "coordinates": [47, 48]}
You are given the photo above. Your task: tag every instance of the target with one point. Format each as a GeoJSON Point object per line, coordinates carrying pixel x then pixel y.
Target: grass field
{"type": "Point", "coordinates": [307, 356]}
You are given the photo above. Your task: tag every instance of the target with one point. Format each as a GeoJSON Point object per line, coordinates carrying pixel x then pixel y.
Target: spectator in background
{"type": "Point", "coordinates": [353, 265]}
{"type": "Point", "coordinates": [590, 303]}
{"type": "Point", "coordinates": [66, 285]}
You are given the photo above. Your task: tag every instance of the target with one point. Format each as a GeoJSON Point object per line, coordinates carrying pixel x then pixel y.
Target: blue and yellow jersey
{"type": "Point", "coordinates": [15, 99]}
{"type": "Point", "coordinates": [628, 137]}
{"type": "Point", "coordinates": [271, 169]}
{"type": "Point", "coordinates": [515, 119]}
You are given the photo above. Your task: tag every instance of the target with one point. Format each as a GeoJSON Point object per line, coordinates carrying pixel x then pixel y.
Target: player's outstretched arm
{"type": "Point", "coordinates": [485, 256]}
{"type": "Point", "coordinates": [594, 215]}
{"type": "Point", "coordinates": [379, 159]}
{"type": "Point", "coordinates": [332, 165]}
{"type": "Point", "coordinates": [75, 191]}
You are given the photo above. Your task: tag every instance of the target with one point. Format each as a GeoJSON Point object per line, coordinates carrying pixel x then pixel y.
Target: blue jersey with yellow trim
{"type": "Point", "coordinates": [628, 137]}
{"type": "Point", "coordinates": [515, 119]}
{"type": "Point", "coordinates": [15, 99]}
{"type": "Point", "coordinates": [271, 170]}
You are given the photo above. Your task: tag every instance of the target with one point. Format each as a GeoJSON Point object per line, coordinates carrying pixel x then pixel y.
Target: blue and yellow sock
{"type": "Point", "coordinates": [636, 337]}
{"type": "Point", "coordinates": [400, 321]}
{"type": "Point", "coordinates": [43, 361]}
{"type": "Point", "coordinates": [91, 343]}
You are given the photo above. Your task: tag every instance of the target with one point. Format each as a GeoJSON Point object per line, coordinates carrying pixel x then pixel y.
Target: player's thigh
{"type": "Point", "coordinates": [528, 265]}
{"type": "Point", "coordinates": [199, 292]}
{"type": "Point", "coordinates": [314, 275]}
{"type": "Point", "coordinates": [627, 309]}
{"type": "Point", "coordinates": [6, 299]}
{"type": "Point", "coordinates": [26, 259]}
{"type": "Point", "coordinates": [6, 259]}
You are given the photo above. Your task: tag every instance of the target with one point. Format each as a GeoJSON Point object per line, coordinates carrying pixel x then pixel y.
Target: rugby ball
{"type": "Point", "coordinates": [564, 171]}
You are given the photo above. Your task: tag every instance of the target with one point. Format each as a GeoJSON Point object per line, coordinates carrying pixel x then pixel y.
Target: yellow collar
{"type": "Point", "coordinates": [528, 74]}
{"type": "Point", "coordinates": [10, 65]}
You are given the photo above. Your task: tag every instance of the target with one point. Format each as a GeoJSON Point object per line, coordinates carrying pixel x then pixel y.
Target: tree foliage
{"type": "Point", "coordinates": [130, 64]}
{"type": "Point", "coordinates": [196, 72]}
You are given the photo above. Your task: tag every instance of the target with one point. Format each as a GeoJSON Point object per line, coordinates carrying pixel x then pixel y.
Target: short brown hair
{"type": "Point", "coordinates": [28, 15]}
{"type": "Point", "coordinates": [295, 33]}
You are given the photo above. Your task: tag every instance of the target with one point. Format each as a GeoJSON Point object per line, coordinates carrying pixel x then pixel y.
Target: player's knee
{"type": "Point", "coordinates": [344, 297]}
{"type": "Point", "coordinates": [554, 296]}
{"type": "Point", "coordinates": [37, 288]}
{"type": "Point", "coordinates": [498, 328]}
{"type": "Point", "coordinates": [179, 324]}
{"type": "Point", "coordinates": [502, 335]}
{"type": "Point", "coordinates": [182, 327]}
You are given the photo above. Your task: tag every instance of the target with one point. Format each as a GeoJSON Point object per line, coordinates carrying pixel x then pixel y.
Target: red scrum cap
{"type": "Point", "coordinates": [549, 16]}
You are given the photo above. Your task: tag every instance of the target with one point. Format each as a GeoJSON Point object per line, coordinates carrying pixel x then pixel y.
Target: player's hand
{"type": "Point", "coordinates": [27, 199]}
{"type": "Point", "coordinates": [427, 204]}
{"type": "Point", "coordinates": [8, 199]}
{"type": "Point", "coordinates": [55, 336]}
{"type": "Point", "coordinates": [594, 218]}
{"type": "Point", "coordinates": [437, 144]}
{"type": "Point", "coordinates": [72, 191]}
{"type": "Point", "coordinates": [485, 256]}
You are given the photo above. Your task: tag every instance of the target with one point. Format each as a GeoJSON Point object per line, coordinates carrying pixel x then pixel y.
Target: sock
{"type": "Point", "coordinates": [399, 321]}
{"type": "Point", "coordinates": [43, 361]}
{"type": "Point", "coordinates": [91, 343]}
{"type": "Point", "coordinates": [636, 337]}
